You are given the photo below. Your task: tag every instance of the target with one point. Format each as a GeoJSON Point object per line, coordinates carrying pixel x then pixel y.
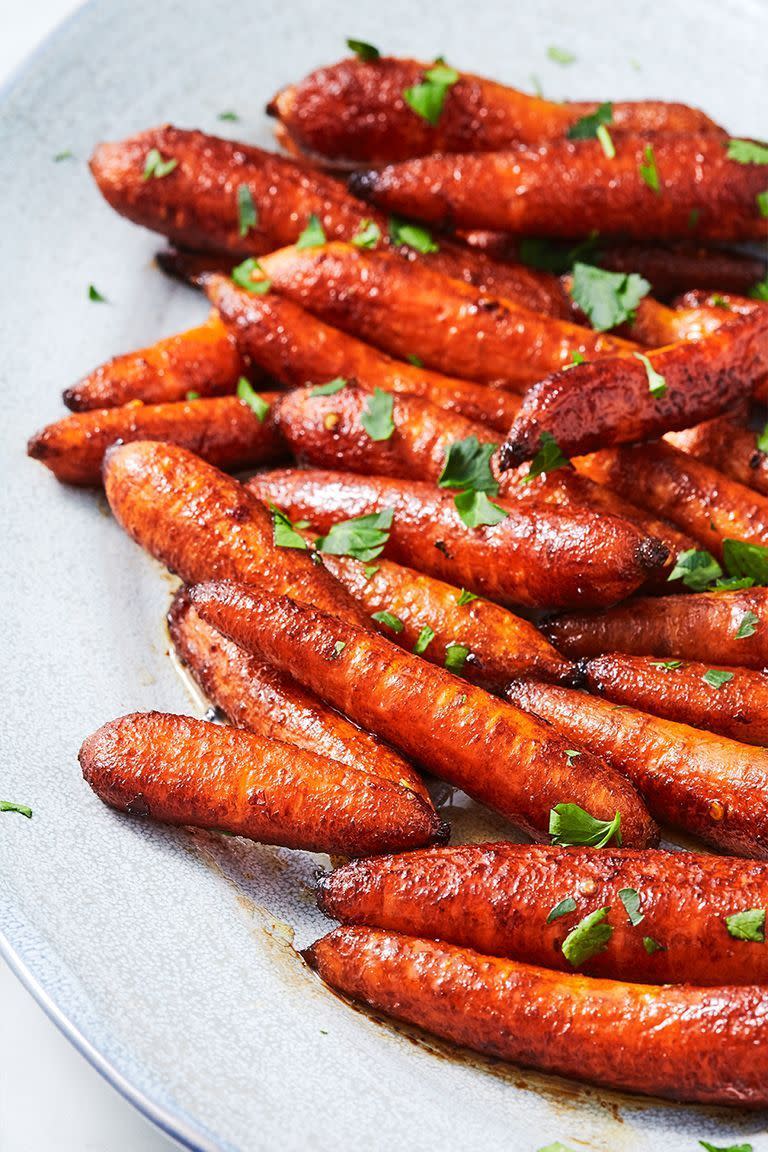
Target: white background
{"type": "Point", "coordinates": [51, 1100]}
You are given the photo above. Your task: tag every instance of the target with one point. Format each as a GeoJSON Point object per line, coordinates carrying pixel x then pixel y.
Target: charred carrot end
{"type": "Point", "coordinates": [184, 771]}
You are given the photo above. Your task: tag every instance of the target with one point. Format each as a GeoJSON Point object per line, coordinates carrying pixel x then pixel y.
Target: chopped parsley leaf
{"type": "Point", "coordinates": [590, 936]}
{"type": "Point", "coordinates": [363, 50]}
{"type": "Point", "coordinates": [329, 389]}
{"type": "Point", "coordinates": [548, 458]}
{"type": "Point", "coordinates": [559, 55]}
{"type": "Point", "coordinates": [630, 898]}
{"type": "Point", "coordinates": [657, 385]}
{"type": "Point", "coordinates": [649, 172]}
{"type": "Point", "coordinates": [607, 298]}
{"type": "Point", "coordinates": [749, 925]}
{"type": "Point", "coordinates": [247, 215]}
{"type": "Point", "coordinates": [428, 97]}
{"type": "Point", "coordinates": [367, 235]}
{"type": "Point", "coordinates": [747, 626]}
{"type": "Point", "coordinates": [747, 152]}
{"type": "Point", "coordinates": [586, 128]}
{"type": "Point", "coordinates": [313, 235]}
{"type": "Point", "coordinates": [94, 294]}
{"type": "Point", "coordinates": [256, 403]}
{"type": "Point", "coordinates": [155, 167]}
{"type": "Point", "coordinates": [376, 417]}
{"type": "Point", "coordinates": [562, 909]}
{"type": "Point", "coordinates": [362, 537]}
{"type": "Point", "coordinates": [455, 656]}
{"type": "Point", "coordinates": [284, 533]}
{"type": "Point", "coordinates": [242, 275]}
{"type": "Point", "coordinates": [22, 809]}
{"type": "Point", "coordinates": [570, 825]}
{"type": "Point", "coordinates": [465, 597]}
{"type": "Point", "coordinates": [423, 640]}
{"type": "Point", "coordinates": [696, 568]}
{"type": "Point", "coordinates": [412, 236]}
{"type": "Point", "coordinates": [715, 677]}
{"type": "Point", "coordinates": [389, 620]}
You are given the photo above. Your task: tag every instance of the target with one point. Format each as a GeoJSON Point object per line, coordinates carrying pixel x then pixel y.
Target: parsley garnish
{"type": "Point", "coordinates": [570, 755]}
{"type": "Point", "coordinates": [731, 1147]}
{"type": "Point", "coordinates": [66, 155]}
{"type": "Point", "coordinates": [427, 98]}
{"type": "Point", "coordinates": [362, 537]}
{"type": "Point", "coordinates": [371, 571]}
{"type": "Point", "coordinates": [367, 235]}
{"type": "Point", "coordinates": [590, 936]}
{"type": "Point", "coordinates": [246, 393]}
{"type": "Point", "coordinates": [284, 533]}
{"type": "Point", "coordinates": [243, 277]}
{"type": "Point", "coordinates": [228, 115]}
{"type": "Point", "coordinates": [586, 128]}
{"type": "Point", "coordinates": [607, 298]}
{"type": "Point", "coordinates": [424, 639]}
{"type": "Point", "coordinates": [762, 440]}
{"type": "Point", "coordinates": [376, 417]}
{"type": "Point", "coordinates": [155, 167]}
{"type": "Point", "coordinates": [339, 647]}
{"type": "Point", "coordinates": [415, 360]}
{"type": "Point", "coordinates": [556, 1147]}
{"type": "Point", "coordinates": [362, 50]}
{"type": "Point", "coordinates": [667, 665]}
{"type": "Point", "coordinates": [652, 945]}
{"type": "Point", "coordinates": [693, 218]}
{"type": "Point", "coordinates": [192, 396]}
{"type": "Point", "coordinates": [649, 172]}
{"type": "Point", "coordinates": [606, 143]}
{"type": "Point", "coordinates": [22, 809]}
{"type": "Point", "coordinates": [412, 236]}
{"type": "Point", "coordinates": [742, 559]}
{"type": "Point", "coordinates": [548, 458]}
{"type": "Point", "coordinates": [455, 657]}
{"type": "Point", "coordinates": [630, 898]}
{"type": "Point", "coordinates": [749, 925]}
{"type": "Point", "coordinates": [716, 678]}
{"type": "Point", "coordinates": [389, 620]}
{"type": "Point", "coordinates": [762, 203]}
{"type": "Point", "coordinates": [467, 466]}
{"type": "Point", "coordinates": [657, 385]}
{"type": "Point", "coordinates": [562, 909]}
{"type": "Point", "coordinates": [247, 215]}
{"type": "Point", "coordinates": [477, 511]}
{"type": "Point", "coordinates": [570, 825]}
{"type": "Point", "coordinates": [696, 568]}
{"type": "Point", "coordinates": [747, 152]}
{"type": "Point", "coordinates": [747, 626]}
{"type": "Point", "coordinates": [313, 235]}
{"type": "Point", "coordinates": [465, 597]}
{"type": "Point", "coordinates": [559, 55]}
{"type": "Point", "coordinates": [94, 294]}
{"type": "Point", "coordinates": [329, 389]}
{"type": "Point", "coordinates": [759, 291]}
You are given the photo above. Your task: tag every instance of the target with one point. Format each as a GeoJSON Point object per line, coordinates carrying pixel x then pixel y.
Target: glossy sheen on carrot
{"type": "Point", "coordinates": [185, 771]}
{"type": "Point", "coordinates": [355, 111]}
{"type": "Point", "coordinates": [565, 188]}
{"type": "Point", "coordinates": [498, 754]}
{"type": "Point", "coordinates": [687, 627]}
{"type": "Point", "coordinates": [254, 695]}
{"type": "Point", "coordinates": [706, 785]}
{"type": "Point", "coordinates": [730, 446]}
{"type": "Point", "coordinates": [538, 555]}
{"type": "Point", "coordinates": [410, 309]}
{"type": "Point", "coordinates": [205, 360]}
{"type": "Point", "coordinates": [223, 430]}
{"type": "Point", "coordinates": [497, 898]}
{"type": "Point", "coordinates": [204, 525]}
{"type": "Point", "coordinates": [610, 401]}
{"type": "Point", "coordinates": [678, 690]}
{"type": "Point", "coordinates": [296, 348]}
{"type": "Point", "coordinates": [684, 1043]}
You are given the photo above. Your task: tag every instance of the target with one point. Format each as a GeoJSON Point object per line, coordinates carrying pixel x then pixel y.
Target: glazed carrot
{"type": "Point", "coordinates": [692, 627]}
{"type": "Point", "coordinates": [680, 267]}
{"type": "Point", "coordinates": [610, 402]}
{"type": "Point", "coordinates": [696, 497]}
{"type": "Point", "coordinates": [498, 898]}
{"type": "Point", "coordinates": [726, 301]}
{"type": "Point", "coordinates": [728, 445]}
{"type": "Point", "coordinates": [295, 348]}
{"type": "Point", "coordinates": [205, 360]}
{"type": "Point", "coordinates": [409, 309]}
{"type": "Point", "coordinates": [567, 188]}
{"type": "Point", "coordinates": [498, 754]}
{"type": "Point", "coordinates": [679, 690]}
{"type": "Point", "coordinates": [683, 1043]}
{"type": "Point", "coordinates": [204, 525]}
{"type": "Point", "coordinates": [185, 771]}
{"type": "Point", "coordinates": [223, 430]}
{"type": "Point", "coordinates": [655, 324]}
{"type": "Point", "coordinates": [354, 111]}
{"type": "Point", "coordinates": [253, 695]}
{"type": "Point", "coordinates": [705, 785]}
{"type": "Point", "coordinates": [537, 555]}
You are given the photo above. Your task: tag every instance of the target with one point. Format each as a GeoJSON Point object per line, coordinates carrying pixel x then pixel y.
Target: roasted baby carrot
{"type": "Point", "coordinates": [537, 555]}
{"type": "Point", "coordinates": [565, 188]}
{"type": "Point", "coordinates": [495, 752]}
{"type": "Point", "coordinates": [681, 1042]}
{"type": "Point", "coordinates": [357, 111]}
{"type": "Point", "coordinates": [296, 348]}
{"type": "Point", "coordinates": [205, 360]}
{"type": "Point", "coordinates": [185, 771]}
{"type": "Point", "coordinates": [703, 784]}
{"type": "Point", "coordinates": [679, 267]}
{"type": "Point", "coordinates": [670, 483]}
{"type": "Point", "coordinates": [410, 309]}
{"type": "Point", "coordinates": [732, 702]}
{"type": "Point", "coordinates": [204, 525]}
{"type": "Point", "coordinates": [253, 695]}
{"type": "Point", "coordinates": [730, 446]}
{"type": "Point", "coordinates": [618, 400]}
{"type": "Point", "coordinates": [523, 900]}
{"type": "Point", "coordinates": [694, 627]}
{"type": "Point", "coordinates": [223, 430]}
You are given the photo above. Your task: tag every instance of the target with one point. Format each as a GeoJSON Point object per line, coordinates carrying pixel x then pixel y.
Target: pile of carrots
{"type": "Point", "coordinates": [492, 370]}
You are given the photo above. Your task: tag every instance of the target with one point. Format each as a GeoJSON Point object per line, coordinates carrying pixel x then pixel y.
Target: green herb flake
{"type": "Point", "coordinates": [370, 571]}
{"type": "Point", "coordinates": [536, 85]}
{"type": "Point", "coordinates": [367, 235]}
{"type": "Point", "coordinates": [284, 533]}
{"type": "Point", "coordinates": [362, 537]}
{"type": "Point", "coordinates": [465, 597]}
{"type": "Point", "coordinates": [570, 755]}
{"type": "Point", "coordinates": [652, 945]}
{"type": "Point", "coordinates": [155, 167]}
{"type": "Point", "coordinates": [412, 236]}
{"type": "Point", "coordinates": [667, 665]}
{"type": "Point", "coordinates": [747, 626]}
{"type": "Point", "coordinates": [606, 142]}
{"type": "Point", "coordinates": [428, 97]}
{"type": "Point", "coordinates": [560, 56]}
{"type": "Point", "coordinates": [455, 656]}
{"type": "Point", "coordinates": [657, 385]}
{"type": "Point", "coordinates": [586, 128]}
{"type": "Point", "coordinates": [65, 155]}
{"type": "Point", "coordinates": [94, 294]}
{"type": "Point", "coordinates": [247, 215]}
{"type": "Point", "coordinates": [762, 440]}
{"type": "Point", "coordinates": [762, 203]}
{"type": "Point", "coordinates": [376, 417]}
{"type": "Point", "coordinates": [363, 50]}
{"type": "Point", "coordinates": [22, 809]}
{"type": "Point", "coordinates": [649, 173]}
{"type": "Point", "coordinates": [590, 936]}
{"type": "Point", "coordinates": [742, 559]}
{"type": "Point", "coordinates": [256, 403]}
{"type": "Point", "coordinates": [477, 511]}
{"type": "Point", "coordinates": [719, 1148]}
{"type": "Point", "coordinates": [607, 298]}
{"type": "Point", "coordinates": [243, 277]}
{"type": "Point", "coordinates": [228, 114]}
{"type": "Point", "coordinates": [329, 389]}
{"type": "Point", "coordinates": [339, 647]}
{"type": "Point", "coordinates": [424, 639]}
{"type": "Point", "coordinates": [548, 458]}
{"type": "Point", "coordinates": [571, 826]}
{"type": "Point", "coordinates": [415, 360]}
{"type": "Point", "coordinates": [468, 465]}
{"type": "Point", "coordinates": [732, 584]}
{"type": "Point", "coordinates": [749, 925]}
{"type": "Point", "coordinates": [313, 235]}
{"type": "Point", "coordinates": [747, 152]}
{"type": "Point", "coordinates": [693, 218]}
{"type": "Point", "coordinates": [389, 620]}
{"type": "Point", "coordinates": [759, 291]}
{"type": "Point", "coordinates": [192, 396]}
{"type": "Point", "coordinates": [696, 568]}
{"type": "Point", "coordinates": [715, 677]}
{"type": "Point", "coordinates": [562, 909]}
{"type": "Point", "coordinates": [630, 898]}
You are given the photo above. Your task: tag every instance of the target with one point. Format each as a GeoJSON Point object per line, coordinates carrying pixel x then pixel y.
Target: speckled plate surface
{"type": "Point", "coordinates": [168, 956]}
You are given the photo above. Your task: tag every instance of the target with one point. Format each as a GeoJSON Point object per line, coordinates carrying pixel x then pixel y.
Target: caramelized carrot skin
{"type": "Point", "coordinates": [203, 359]}
{"type": "Point", "coordinates": [204, 525]}
{"type": "Point", "coordinates": [696, 497]}
{"type": "Point", "coordinates": [738, 708]}
{"type": "Point", "coordinates": [539, 555]}
{"type": "Point", "coordinates": [684, 1043]}
{"type": "Point", "coordinates": [565, 188]}
{"type": "Point", "coordinates": [185, 771]}
{"type": "Point", "coordinates": [253, 695]}
{"type": "Point", "coordinates": [496, 898]}
{"type": "Point", "coordinates": [354, 111]}
{"type": "Point", "coordinates": [410, 309]}
{"type": "Point", "coordinates": [678, 268]}
{"type": "Point", "coordinates": [687, 627]}
{"type": "Point", "coordinates": [599, 404]}
{"type": "Point", "coordinates": [224, 431]}
{"type": "Point", "coordinates": [495, 752]}
{"type": "Point", "coordinates": [730, 446]}
{"type": "Point", "coordinates": [296, 348]}
{"type": "Point", "coordinates": [707, 785]}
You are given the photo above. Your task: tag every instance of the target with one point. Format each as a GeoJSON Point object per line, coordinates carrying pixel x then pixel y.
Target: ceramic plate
{"type": "Point", "coordinates": [168, 956]}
